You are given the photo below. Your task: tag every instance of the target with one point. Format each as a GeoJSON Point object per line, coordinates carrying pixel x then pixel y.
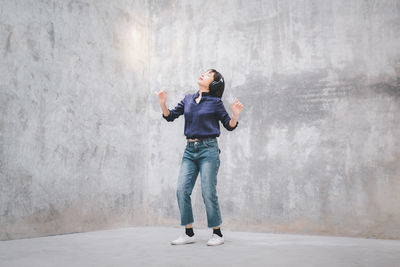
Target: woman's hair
{"type": "Point", "coordinates": [218, 88]}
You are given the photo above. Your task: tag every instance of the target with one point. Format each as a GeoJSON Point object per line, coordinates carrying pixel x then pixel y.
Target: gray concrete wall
{"type": "Point", "coordinates": [83, 144]}
{"type": "Point", "coordinates": [317, 149]}
{"type": "Point", "coordinates": [73, 90]}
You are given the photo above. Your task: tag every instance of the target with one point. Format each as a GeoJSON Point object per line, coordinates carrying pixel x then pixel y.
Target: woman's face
{"type": "Point", "coordinates": [206, 78]}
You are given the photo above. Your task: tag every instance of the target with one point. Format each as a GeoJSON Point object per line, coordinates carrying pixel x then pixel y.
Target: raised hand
{"type": "Point", "coordinates": [162, 96]}
{"type": "Point", "coordinates": [236, 107]}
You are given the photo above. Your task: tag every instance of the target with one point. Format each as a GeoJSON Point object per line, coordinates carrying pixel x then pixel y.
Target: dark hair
{"type": "Point", "coordinates": [218, 89]}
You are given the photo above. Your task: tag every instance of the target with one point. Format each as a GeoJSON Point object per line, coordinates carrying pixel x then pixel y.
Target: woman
{"type": "Point", "coordinates": [202, 110]}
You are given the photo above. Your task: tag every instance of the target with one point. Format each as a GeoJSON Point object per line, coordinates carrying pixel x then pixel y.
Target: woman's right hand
{"type": "Point", "coordinates": [162, 96]}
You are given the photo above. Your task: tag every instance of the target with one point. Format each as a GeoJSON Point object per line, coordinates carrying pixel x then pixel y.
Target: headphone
{"type": "Point", "coordinates": [217, 87]}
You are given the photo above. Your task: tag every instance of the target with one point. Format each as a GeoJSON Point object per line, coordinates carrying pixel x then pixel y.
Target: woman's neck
{"type": "Point", "coordinates": [203, 89]}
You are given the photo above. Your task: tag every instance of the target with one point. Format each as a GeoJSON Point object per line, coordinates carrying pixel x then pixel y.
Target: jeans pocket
{"type": "Point", "coordinates": [211, 144]}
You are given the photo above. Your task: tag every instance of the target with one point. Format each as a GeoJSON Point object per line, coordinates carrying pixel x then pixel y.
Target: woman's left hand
{"type": "Point", "coordinates": [236, 107]}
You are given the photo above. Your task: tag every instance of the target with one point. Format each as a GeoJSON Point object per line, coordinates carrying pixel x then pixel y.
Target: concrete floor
{"type": "Point", "coordinates": [150, 246]}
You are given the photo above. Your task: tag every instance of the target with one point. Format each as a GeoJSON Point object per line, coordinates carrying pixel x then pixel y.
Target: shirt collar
{"type": "Point", "coordinates": [202, 94]}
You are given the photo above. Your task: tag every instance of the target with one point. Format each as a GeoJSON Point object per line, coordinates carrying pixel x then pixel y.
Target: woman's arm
{"type": "Point", "coordinates": [170, 115]}
{"type": "Point", "coordinates": [165, 110]}
{"type": "Point", "coordinates": [175, 112]}
{"type": "Point", "coordinates": [224, 117]}
{"type": "Point", "coordinates": [236, 109]}
{"type": "Point", "coordinates": [233, 120]}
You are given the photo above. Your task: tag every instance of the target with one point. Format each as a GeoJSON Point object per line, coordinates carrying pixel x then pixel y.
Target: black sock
{"type": "Point", "coordinates": [189, 231]}
{"type": "Point", "coordinates": [217, 231]}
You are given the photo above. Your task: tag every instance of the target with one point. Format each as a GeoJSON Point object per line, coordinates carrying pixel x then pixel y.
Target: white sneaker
{"type": "Point", "coordinates": [183, 239]}
{"type": "Point", "coordinates": [215, 240]}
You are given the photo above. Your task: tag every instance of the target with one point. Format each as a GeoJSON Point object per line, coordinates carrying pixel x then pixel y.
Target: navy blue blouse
{"type": "Point", "coordinates": [201, 119]}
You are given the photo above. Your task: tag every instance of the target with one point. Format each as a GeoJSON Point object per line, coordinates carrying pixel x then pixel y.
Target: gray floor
{"type": "Point", "coordinates": [150, 246]}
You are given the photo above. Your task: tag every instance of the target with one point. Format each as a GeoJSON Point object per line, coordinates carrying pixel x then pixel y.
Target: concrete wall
{"type": "Point", "coordinates": [73, 90]}
{"type": "Point", "coordinates": [83, 144]}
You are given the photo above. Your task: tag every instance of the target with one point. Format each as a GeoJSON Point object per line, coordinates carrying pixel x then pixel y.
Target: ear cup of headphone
{"type": "Point", "coordinates": [216, 86]}
{"type": "Point", "coordinates": [212, 86]}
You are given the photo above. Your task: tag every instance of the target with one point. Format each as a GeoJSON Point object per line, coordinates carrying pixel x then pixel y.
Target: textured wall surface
{"type": "Point", "coordinates": [317, 149]}
{"type": "Point", "coordinates": [74, 79]}
{"type": "Point", "coordinates": [83, 145]}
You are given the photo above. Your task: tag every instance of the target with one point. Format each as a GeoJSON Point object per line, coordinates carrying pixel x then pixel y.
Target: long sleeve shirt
{"type": "Point", "coordinates": [201, 119]}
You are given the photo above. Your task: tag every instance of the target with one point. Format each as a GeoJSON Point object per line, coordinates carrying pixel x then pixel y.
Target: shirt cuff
{"type": "Point", "coordinates": [234, 127]}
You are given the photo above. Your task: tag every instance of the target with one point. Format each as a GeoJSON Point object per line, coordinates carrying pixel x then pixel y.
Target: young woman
{"type": "Point", "coordinates": [202, 110]}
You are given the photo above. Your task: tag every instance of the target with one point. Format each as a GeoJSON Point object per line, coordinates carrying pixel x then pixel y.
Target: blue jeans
{"type": "Point", "coordinates": [199, 156]}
